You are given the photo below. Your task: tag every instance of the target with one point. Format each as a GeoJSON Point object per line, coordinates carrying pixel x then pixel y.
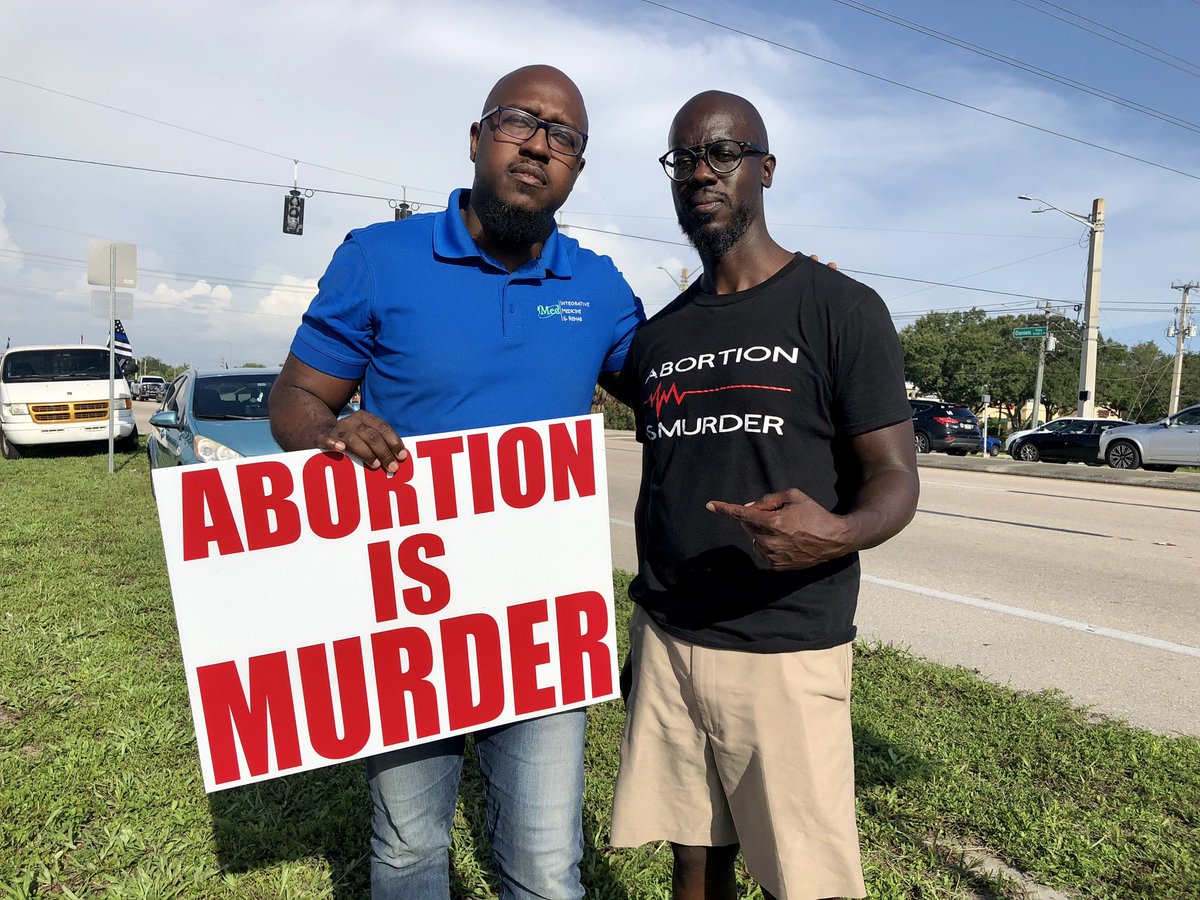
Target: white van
{"type": "Point", "coordinates": [57, 394]}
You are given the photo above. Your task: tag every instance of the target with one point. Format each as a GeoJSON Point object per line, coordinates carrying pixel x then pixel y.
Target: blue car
{"type": "Point", "coordinates": [213, 415]}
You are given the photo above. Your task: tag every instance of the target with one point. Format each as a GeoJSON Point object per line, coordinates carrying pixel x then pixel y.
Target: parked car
{"type": "Point", "coordinates": [1077, 441]}
{"type": "Point", "coordinates": [148, 387]}
{"type": "Point", "coordinates": [993, 446]}
{"type": "Point", "coordinates": [212, 415]}
{"type": "Point", "coordinates": [57, 394]}
{"type": "Point", "coordinates": [1052, 425]}
{"type": "Point", "coordinates": [1170, 442]}
{"type": "Point", "coordinates": [945, 426]}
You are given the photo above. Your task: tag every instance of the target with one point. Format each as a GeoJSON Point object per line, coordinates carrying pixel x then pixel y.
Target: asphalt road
{"type": "Point", "coordinates": [1034, 575]}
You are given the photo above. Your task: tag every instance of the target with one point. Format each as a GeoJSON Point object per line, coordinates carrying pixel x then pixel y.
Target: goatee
{"type": "Point", "coordinates": [712, 242]}
{"type": "Point", "coordinates": [509, 224]}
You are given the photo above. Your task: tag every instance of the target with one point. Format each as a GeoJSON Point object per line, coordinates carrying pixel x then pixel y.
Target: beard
{"type": "Point", "coordinates": [510, 224]}
{"type": "Point", "coordinates": [711, 241]}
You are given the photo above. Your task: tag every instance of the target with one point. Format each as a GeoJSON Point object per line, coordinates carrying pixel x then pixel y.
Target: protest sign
{"type": "Point", "coordinates": [328, 611]}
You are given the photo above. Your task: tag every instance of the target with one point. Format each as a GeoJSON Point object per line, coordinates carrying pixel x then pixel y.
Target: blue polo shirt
{"type": "Point", "coordinates": [444, 338]}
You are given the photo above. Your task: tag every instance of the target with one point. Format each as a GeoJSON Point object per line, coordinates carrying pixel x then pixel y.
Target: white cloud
{"type": "Point", "coordinates": [389, 90]}
{"type": "Point", "coordinates": [10, 259]}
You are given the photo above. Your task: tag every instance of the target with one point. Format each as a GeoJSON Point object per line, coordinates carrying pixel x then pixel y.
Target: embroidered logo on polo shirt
{"type": "Point", "coordinates": [564, 310]}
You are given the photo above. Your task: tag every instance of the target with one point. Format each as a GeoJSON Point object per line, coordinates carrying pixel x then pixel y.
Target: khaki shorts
{"type": "Point", "coordinates": [724, 747]}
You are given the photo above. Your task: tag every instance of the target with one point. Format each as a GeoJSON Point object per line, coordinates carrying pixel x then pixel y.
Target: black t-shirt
{"type": "Point", "coordinates": [741, 395]}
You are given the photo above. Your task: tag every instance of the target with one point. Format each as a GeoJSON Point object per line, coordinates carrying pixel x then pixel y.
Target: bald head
{"type": "Point", "coordinates": [713, 115]}
{"type": "Point", "coordinates": [543, 81]}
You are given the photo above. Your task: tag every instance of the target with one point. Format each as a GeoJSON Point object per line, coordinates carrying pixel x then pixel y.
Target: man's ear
{"type": "Point", "coordinates": [768, 170]}
{"type": "Point", "coordinates": [476, 128]}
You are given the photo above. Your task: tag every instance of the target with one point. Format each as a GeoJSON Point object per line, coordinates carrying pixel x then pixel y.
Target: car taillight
{"type": "Point", "coordinates": [945, 420]}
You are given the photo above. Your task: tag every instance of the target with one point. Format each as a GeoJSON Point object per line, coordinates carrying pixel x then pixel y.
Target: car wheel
{"type": "Point", "coordinates": [923, 445]}
{"type": "Point", "coordinates": [1123, 455]}
{"type": "Point", "coordinates": [994, 451]}
{"type": "Point", "coordinates": [129, 443]}
{"type": "Point", "coordinates": [9, 449]}
{"type": "Point", "coordinates": [1027, 452]}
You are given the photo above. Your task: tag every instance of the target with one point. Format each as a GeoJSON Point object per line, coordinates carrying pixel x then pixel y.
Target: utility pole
{"type": "Point", "coordinates": [1091, 314]}
{"type": "Point", "coordinates": [1090, 333]}
{"type": "Point", "coordinates": [1041, 369]}
{"type": "Point", "coordinates": [1183, 330]}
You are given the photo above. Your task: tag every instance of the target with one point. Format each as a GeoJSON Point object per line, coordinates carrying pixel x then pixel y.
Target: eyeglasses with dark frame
{"type": "Point", "coordinates": [522, 126]}
{"type": "Point", "coordinates": [722, 157]}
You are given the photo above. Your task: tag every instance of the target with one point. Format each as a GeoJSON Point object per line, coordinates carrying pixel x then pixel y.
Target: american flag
{"type": "Point", "coordinates": [123, 349]}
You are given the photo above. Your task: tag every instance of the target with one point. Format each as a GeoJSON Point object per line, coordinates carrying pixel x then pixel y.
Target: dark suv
{"type": "Point", "coordinates": [945, 426]}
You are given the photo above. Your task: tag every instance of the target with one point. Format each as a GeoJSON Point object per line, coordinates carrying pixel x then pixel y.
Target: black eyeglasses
{"type": "Point", "coordinates": [517, 123]}
{"type": "Point", "coordinates": [722, 157]}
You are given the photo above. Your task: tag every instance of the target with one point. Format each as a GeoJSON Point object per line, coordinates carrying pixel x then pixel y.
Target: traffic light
{"type": "Point", "coordinates": [403, 211]}
{"type": "Point", "coordinates": [293, 213]}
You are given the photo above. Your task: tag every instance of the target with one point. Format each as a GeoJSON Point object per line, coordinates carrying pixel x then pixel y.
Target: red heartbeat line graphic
{"type": "Point", "coordinates": [659, 397]}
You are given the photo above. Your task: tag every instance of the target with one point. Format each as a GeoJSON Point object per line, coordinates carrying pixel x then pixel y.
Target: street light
{"type": "Point", "coordinates": [1091, 307]}
{"type": "Point", "coordinates": [681, 282]}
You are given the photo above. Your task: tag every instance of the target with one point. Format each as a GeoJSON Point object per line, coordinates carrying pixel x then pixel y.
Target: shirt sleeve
{"type": "Point", "coordinates": [628, 316]}
{"type": "Point", "coordinates": [869, 370]}
{"type": "Point", "coordinates": [336, 335]}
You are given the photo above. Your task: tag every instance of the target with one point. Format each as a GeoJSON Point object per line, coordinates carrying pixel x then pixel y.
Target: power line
{"type": "Point", "coordinates": [1023, 66]}
{"type": "Point", "coordinates": [108, 165]}
{"type": "Point", "coordinates": [923, 92]}
{"type": "Point", "coordinates": [994, 268]}
{"type": "Point", "coordinates": [205, 134]}
{"type": "Point", "coordinates": [442, 206]}
{"type": "Point", "coordinates": [1047, 237]}
{"type": "Point", "coordinates": [1165, 62]}
{"type": "Point", "coordinates": [66, 262]}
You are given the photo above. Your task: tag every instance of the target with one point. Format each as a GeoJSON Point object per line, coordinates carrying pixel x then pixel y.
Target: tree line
{"type": "Point", "coordinates": [959, 356]}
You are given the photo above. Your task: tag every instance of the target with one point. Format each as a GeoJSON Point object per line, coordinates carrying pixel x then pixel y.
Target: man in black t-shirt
{"type": "Point", "coordinates": [777, 443]}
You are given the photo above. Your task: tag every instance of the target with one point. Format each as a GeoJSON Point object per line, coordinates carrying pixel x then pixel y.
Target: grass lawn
{"type": "Point", "coordinates": [100, 790]}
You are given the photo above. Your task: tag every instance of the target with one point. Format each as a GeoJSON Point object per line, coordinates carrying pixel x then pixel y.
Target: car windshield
{"type": "Point", "coordinates": [232, 396]}
{"type": "Point", "coordinates": [59, 364]}
{"type": "Point", "coordinates": [963, 414]}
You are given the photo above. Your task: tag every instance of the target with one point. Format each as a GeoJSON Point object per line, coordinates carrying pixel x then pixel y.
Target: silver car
{"type": "Point", "coordinates": [1161, 447]}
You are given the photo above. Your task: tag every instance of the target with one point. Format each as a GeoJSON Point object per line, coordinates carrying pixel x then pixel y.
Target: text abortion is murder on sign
{"type": "Point", "coordinates": [480, 624]}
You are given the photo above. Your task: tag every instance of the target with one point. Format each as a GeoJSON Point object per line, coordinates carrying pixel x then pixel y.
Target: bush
{"type": "Point", "coordinates": [617, 416]}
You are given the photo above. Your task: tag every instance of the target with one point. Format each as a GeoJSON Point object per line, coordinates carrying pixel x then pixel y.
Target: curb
{"type": "Point", "coordinates": [1003, 465]}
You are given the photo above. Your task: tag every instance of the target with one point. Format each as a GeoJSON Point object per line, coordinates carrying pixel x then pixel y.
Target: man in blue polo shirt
{"type": "Point", "coordinates": [482, 315]}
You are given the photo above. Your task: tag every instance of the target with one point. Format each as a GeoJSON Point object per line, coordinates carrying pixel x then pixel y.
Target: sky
{"type": "Point", "coordinates": [900, 156]}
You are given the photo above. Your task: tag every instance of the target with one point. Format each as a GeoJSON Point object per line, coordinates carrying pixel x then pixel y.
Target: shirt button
{"type": "Point", "coordinates": [512, 307]}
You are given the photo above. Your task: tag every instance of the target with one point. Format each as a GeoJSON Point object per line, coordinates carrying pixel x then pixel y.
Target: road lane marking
{"type": "Point", "coordinates": [1185, 509]}
{"type": "Point", "coordinates": [1003, 609]}
{"type": "Point", "coordinates": [991, 521]}
{"type": "Point", "coordinates": [1086, 627]}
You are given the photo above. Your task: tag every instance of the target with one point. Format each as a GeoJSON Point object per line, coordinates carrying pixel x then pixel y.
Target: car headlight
{"type": "Point", "coordinates": [18, 409]}
{"type": "Point", "coordinates": [208, 450]}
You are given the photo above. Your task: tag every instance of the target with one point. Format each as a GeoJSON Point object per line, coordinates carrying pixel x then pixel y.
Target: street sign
{"type": "Point", "coordinates": [100, 269]}
{"type": "Point", "coordinates": [1031, 332]}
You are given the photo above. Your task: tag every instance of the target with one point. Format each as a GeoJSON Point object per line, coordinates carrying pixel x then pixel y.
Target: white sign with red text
{"type": "Point", "coordinates": [328, 611]}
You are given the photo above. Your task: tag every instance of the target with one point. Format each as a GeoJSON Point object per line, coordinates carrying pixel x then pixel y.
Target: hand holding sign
{"type": "Point", "coordinates": [368, 437]}
{"type": "Point", "coordinates": [790, 530]}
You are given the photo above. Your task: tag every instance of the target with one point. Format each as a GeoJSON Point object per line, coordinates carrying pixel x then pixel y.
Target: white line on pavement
{"type": "Point", "coordinates": [1003, 609]}
{"type": "Point", "coordinates": [1127, 636]}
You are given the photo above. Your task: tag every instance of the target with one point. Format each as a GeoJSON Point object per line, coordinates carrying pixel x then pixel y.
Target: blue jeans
{"type": "Point", "coordinates": [533, 783]}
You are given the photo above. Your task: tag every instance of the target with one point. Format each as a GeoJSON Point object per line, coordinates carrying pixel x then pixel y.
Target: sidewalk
{"type": "Point", "coordinates": [1006, 465]}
